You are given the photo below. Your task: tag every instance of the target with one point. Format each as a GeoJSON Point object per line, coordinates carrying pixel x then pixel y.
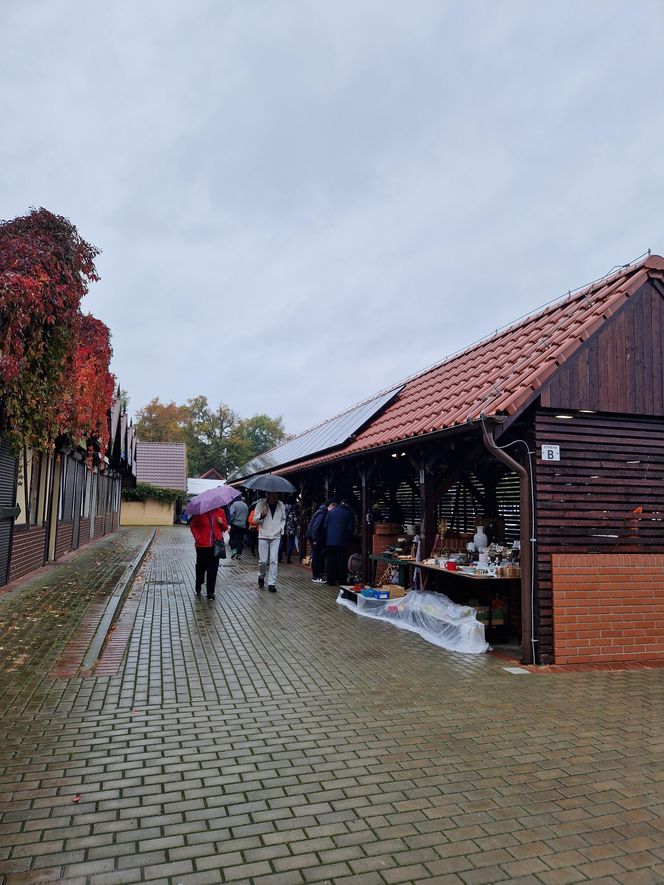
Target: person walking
{"type": "Point", "coordinates": [316, 535]}
{"type": "Point", "coordinates": [239, 514]}
{"type": "Point", "coordinates": [339, 529]}
{"type": "Point", "coordinates": [206, 529]}
{"type": "Point", "coordinates": [270, 514]}
{"type": "Point", "coordinates": [251, 535]}
{"type": "Point", "coordinates": [289, 539]}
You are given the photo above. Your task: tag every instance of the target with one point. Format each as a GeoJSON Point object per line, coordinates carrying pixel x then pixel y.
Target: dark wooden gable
{"type": "Point", "coordinates": [620, 368]}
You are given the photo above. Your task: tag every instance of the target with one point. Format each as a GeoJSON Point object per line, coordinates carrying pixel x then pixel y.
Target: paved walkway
{"type": "Point", "coordinates": [278, 738]}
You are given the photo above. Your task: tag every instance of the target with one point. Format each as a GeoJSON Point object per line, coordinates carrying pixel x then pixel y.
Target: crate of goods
{"type": "Point", "coordinates": [493, 616]}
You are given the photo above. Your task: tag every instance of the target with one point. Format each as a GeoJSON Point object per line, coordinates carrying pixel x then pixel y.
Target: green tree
{"type": "Point", "coordinates": [259, 434]}
{"type": "Point", "coordinates": [215, 437]}
{"type": "Point", "coordinates": [209, 436]}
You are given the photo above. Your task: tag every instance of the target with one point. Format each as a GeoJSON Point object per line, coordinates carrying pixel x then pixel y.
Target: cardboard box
{"type": "Point", "coordinates": [375, 593]}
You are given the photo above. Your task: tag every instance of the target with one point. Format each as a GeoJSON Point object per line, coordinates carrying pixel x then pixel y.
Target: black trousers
{"type": "Point", "coordinates": [207, 566]}
{"type": "Point", "coordinates": [317, 560]}
{"type": "Point", "coordinates": [337, 565]}
{"type": "Point", "coordinates": [237, 539]}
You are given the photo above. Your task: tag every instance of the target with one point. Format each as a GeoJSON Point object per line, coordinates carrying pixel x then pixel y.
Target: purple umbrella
{"type": "Point", "coordinates": [211, 499]}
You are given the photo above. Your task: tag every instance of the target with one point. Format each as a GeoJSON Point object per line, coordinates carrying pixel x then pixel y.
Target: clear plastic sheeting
{"type": "Point", "coordinates": [433, 616]}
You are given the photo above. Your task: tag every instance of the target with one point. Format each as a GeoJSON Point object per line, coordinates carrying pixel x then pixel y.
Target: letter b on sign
{"type": "Point", "coordinates": [550, 453]}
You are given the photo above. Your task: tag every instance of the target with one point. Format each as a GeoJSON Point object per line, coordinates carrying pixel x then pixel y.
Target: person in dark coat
{"type": "Point", "coordinates": [339, 530]}
{"type": "Point", "coordinates": [316, 535]}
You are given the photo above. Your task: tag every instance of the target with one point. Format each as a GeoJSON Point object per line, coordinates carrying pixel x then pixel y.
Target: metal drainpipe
{"type": "Point", "coordinates": [526, 543]}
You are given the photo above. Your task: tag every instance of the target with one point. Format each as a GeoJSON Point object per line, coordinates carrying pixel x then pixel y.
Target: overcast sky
{"type": "Point", "coordinates": [299, 202]}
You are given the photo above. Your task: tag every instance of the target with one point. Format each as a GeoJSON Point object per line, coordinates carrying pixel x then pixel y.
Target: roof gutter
{"type": "Point", "coordinates": [527, 557]}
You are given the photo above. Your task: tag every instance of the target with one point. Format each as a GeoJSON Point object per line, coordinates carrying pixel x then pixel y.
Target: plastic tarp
{"type": "Point", "coordinates": [433, 616]}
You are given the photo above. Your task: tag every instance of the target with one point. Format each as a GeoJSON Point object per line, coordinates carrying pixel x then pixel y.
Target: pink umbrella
{"type": "Point", "coordinates": [212, 499]}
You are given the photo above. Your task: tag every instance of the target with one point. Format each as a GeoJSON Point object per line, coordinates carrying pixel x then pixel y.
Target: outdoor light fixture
{"type": "Point", "coordinates": [587, 411]}
{"type": "Point", "coordinates": [565, 417]}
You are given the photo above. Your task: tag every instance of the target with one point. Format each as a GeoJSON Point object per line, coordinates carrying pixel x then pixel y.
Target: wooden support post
{"type": "Point", "coordinates": [302, 528]}
{"type": "Point", "coordinates": [365, 474]}
{"type": "Point", "coordinates": [428, 508]}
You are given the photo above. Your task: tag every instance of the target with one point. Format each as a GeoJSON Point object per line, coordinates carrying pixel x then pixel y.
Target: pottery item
{"type": "Point", "coordinates": [480, 539]}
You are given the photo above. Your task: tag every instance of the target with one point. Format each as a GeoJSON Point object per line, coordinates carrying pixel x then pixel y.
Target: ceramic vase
{"type": "Point", "coordinates": [480, 539]}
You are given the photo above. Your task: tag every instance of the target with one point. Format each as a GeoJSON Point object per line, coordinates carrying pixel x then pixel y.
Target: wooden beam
{"type": "Point", "coordinates": [456, 471]}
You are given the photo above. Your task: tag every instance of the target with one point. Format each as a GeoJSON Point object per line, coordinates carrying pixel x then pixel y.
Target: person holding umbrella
{"type": "Point", "coordinates": [270, 515]}
{"type": "Point", "coordinates": [208, 524]}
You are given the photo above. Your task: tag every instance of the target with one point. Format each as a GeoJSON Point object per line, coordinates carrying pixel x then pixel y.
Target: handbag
{"type": "Point", "coordinates": [218, 546]}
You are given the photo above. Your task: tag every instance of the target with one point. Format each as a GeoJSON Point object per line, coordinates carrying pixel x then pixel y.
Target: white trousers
{"type": "Point", "coordinates": [268, 553]}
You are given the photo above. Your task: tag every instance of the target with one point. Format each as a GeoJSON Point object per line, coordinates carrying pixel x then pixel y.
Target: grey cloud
{"type": "Point", "coordinates": [350, 190]}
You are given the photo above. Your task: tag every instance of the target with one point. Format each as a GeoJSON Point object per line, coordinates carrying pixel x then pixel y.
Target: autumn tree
{"type": "Point", "coordinates": [162, 422]}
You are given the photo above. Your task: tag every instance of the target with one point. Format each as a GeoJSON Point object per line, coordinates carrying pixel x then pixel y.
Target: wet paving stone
{"type": "Point", "coordinates": [280, 738]}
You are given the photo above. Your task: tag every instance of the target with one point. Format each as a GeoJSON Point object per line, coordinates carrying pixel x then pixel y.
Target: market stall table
{"type": "Point", "coordinates": [489, 589]}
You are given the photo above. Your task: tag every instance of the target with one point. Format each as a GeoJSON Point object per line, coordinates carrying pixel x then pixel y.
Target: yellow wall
{"type": "Point", "coordinates": [146, 513]}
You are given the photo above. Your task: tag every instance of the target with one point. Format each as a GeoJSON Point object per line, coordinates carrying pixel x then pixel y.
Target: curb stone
{"type": "Point", "coordinates": [114, 608]}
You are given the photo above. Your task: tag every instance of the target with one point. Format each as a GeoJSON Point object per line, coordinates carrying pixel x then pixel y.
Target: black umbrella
{"type": "Point", "coordinates": [270, 483]}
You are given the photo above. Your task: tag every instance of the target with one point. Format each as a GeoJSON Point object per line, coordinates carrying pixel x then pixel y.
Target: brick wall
{"type": "Point", "coordinates": [99, 526]}
{"type": "Point", "coordinates": [27, 551]}
{"type": "Point", "coordinates": [84, 531]}
{"type": "Point", "coordinates": [63, 538]}
{"type": "Point", "coordinates": [608, 608]}
{"type": "Point", "coordinates": [381, 539]}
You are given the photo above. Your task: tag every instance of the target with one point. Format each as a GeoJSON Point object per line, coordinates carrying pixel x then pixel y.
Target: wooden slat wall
{"type": "Point", "coordinates": [610, 467]}
{"type": "Point", "coordinates": [621, 368]}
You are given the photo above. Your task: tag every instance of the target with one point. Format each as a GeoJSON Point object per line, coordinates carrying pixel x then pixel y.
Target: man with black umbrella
{"type": "Point", "coordinates": [270, 514]}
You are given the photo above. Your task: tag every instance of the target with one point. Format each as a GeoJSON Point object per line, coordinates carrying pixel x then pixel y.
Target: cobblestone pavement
{"type": "Point", "coordinates": [278, 738]}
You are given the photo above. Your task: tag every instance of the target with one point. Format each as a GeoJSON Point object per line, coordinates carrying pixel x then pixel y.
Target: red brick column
{"type": "Point", "coordinates": [608, 608]}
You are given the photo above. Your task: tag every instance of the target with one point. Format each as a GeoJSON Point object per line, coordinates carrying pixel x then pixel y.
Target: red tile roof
{"type": "Point", "coordinates": [211, 474]}
{"type": "Point", "coordinates": [162, 464]}
{"type": "Point", "coordinates": [498, 376]}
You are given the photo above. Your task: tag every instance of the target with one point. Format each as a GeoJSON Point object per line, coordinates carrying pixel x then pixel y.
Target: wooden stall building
{"type": "Point", "coordinates": [552, 432]}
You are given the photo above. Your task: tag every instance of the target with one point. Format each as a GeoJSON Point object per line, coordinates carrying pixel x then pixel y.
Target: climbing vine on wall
{"type": "Point", "coordinates": [90, 385]}
{"type": "Point", "coordinates": [145, 491]}
{"type": "Point", "coordinates": [54, 376]}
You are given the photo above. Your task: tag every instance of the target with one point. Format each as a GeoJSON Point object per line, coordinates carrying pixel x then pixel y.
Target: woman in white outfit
{"type": "Point", "coordinates": [270, 514]}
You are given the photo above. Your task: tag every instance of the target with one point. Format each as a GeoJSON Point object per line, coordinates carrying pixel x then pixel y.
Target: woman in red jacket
{"type": "Point", "coordinates": [206, 528]}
